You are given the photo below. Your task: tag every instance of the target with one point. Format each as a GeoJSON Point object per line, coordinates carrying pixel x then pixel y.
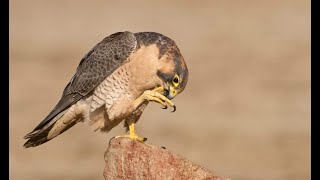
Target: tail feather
{"type": "Point", "coordinates": [36, 138]}
{"type": "Point", "coordinates": [39, 137]}
{"type": "Point", "coordinates": [29, 135]}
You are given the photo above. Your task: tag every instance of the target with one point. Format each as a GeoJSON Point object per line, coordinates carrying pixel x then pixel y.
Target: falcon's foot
{"type": "Point", "coordinates": [135, 137]}
{"type": "Point", "coordinates": [155, 95]}
{"type": "Point", "coordinates": [132, 133]}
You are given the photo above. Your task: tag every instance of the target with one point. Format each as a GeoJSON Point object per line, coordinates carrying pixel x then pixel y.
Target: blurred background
{"type": "Point", "coordinates": [245, 113]}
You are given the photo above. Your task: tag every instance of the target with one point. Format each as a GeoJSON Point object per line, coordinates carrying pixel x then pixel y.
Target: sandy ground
{"type": "Point", "coordinates": [245, 113]}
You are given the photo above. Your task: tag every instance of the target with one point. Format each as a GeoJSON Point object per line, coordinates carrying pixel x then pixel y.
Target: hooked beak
{"type": "Point", "coordinates": [170, 92]}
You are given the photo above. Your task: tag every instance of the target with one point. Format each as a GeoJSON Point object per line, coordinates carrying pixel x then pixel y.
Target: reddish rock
{"type": "Point", "coordinates": [128, 159]}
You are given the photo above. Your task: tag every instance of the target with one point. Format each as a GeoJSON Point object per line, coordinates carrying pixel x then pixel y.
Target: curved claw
{"type": "Point", "coordinates": [174, 108]}
{"type": "Point", "coordinates": [164, 107]}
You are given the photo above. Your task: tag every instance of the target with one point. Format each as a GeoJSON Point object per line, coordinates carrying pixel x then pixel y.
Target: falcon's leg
{"type": "Point", "coordinates": [149, 95]}
{"type": "Point", "coordinates": [132, 131]}
{"type": "Point", "coordinates": [154, 95]}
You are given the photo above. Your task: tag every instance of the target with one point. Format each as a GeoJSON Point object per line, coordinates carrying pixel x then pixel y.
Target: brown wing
{"type": "Point", "coordinates": [98, 64]}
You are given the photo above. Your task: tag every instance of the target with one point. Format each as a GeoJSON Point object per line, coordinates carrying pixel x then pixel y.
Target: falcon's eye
{"type": "Point", "coordinates": [175, 80]}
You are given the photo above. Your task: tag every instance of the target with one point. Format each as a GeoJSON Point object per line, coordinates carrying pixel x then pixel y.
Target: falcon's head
{"type": "Point", "coordinates": [173, 72]}
{"type": "Point", "coordinates": [172, 69]}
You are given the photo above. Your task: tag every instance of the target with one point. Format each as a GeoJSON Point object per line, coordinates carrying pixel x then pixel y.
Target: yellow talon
{"type": "Point", "coordinates": [154, 95]}
{"type": "Point", "coordinates": [137, 138]}
{"type": "Point", "coordinates": [159, 90]}
{"type": "Point", "coordinates": [132, 132]}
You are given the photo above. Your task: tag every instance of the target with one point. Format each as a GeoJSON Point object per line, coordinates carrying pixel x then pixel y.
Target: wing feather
{"type": "Point", "coordinates": [95, 66]}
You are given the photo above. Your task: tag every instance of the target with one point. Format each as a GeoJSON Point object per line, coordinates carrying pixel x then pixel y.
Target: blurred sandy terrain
{"type": "Point", "coordinates": [245, 113]}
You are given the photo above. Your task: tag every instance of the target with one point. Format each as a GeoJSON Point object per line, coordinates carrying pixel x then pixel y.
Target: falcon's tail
{"type": "Point", "coordinates": [40, 136]}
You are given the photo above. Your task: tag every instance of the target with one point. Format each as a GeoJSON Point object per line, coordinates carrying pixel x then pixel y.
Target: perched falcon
{"type": "Point", "coordinates": [114, 82]}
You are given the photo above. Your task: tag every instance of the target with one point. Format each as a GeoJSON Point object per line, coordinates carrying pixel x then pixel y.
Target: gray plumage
{"type": "Point", "coordinates": [113, 74]}
{"type": "Point", "coordinates": [95, 66]}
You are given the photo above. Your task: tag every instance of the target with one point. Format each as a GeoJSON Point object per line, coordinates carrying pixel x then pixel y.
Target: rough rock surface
{"type": "Point", "coordinates": [128, 159]}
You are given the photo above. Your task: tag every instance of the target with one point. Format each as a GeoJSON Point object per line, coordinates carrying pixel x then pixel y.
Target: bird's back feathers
{"type": "Point", "coordinates": [99, 63]}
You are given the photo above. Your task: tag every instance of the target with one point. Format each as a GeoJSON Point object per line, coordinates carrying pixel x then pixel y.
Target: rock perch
{"type": "Point", "coordinates": [128, 159]}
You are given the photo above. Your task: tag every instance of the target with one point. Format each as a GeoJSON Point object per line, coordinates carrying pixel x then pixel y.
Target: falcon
{"type": "Point", "coordinates": [114, 82]}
